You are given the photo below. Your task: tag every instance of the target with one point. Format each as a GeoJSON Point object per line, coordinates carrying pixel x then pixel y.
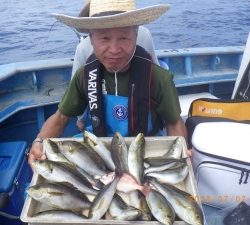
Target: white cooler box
{"type": "Point", "coordinates": [221, 162]}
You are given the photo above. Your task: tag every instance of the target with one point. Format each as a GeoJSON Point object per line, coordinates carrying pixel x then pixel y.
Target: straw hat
{"type": "Point", "coordinates": [100, 14]}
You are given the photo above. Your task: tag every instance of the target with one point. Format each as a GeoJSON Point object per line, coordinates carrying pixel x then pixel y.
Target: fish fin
{"type": "Point", "coordinates": [56, 193]}
{"type": "Point", "coordinates": [146, 189]}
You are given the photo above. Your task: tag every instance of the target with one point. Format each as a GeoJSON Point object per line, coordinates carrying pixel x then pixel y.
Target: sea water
{"type": "Point", "coordinates": [29, 32]}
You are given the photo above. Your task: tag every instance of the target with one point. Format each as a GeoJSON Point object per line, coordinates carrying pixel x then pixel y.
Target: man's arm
{"type": "Point", "coordinates": [177, 129]}
{"type": "Point", "coordinates": [53, 127]}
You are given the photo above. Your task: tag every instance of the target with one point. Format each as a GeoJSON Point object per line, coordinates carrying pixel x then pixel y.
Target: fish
{"type": "Point", "coordinates": [119, 153]}
{"type": "Point", "coordinates": [85, 158]}
{"type": "Point", "coordinates": [136, 157]}
{"type": "Point", "coordinates": [102, 201]}
{"type": "Point", "coordinates": [96, 183]}
{"type": "Point", "coordinates": [174, 152]}
{"type": "Point", "coordinates": [167, 163]}
{"type": "Point", "coordinates": [108, 178]}
{"type": "Point", "coordinates": [119, 210]}
{"type": "Point", "coordinates": [160, 208]}
{"type": "Point", "coordinates": [171, 176]}
{"type": "Point", "coordinates": [185, 207]}
{"type": "Point", "coordinates": [131, 192]}
{"type": "Point", "coordinates": [128, 183]}
{"type": "Point", "coordinates": [138, 201]}
{"type": "Point", "coordinates": [97, 145]}
{"type": "Point", "coordinates": [53, 153]}
{"type": "Point", "coordinates": [59, 172]}
{"type": "Point", "coordinates": [58, 215]}
{"type": "Point", "coordinates": [176, 149]}
{"type": "Point", "coordinates": [59, 196]}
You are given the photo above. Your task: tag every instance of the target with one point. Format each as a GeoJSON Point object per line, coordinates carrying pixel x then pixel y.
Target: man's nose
{"type": "Point", "coordinates": [114, 47]}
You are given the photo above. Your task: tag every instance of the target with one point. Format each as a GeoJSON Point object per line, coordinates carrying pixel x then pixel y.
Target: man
{"type": "Point", "coordinates": [84, 50]}
{"type": "Point", "coordinates": [123, 89]}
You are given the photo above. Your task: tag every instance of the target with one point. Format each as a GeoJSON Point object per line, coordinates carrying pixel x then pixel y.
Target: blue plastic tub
{"type": "Point", "coordinates": [15, 176]}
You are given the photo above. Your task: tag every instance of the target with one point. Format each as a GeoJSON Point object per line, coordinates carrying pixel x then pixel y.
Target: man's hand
{"type": "Point", "coordinates": [189, 152]}
{"type": "Point", "coordinates": [80, 125]}
{"type": "Point", "coordinates": [36, 152]}
{"type": "Point", "coordinates": [53, 127]}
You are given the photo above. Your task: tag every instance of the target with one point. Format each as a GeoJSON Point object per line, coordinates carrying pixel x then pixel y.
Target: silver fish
{"type": "Point", "coordinates": [160, 207]}
{"type": "Point", "coordinates": [59, 172]}
{"type": "Point", "coordinates": [52, 151]}
{"type": "Point", "coordinates": [138, 201]}
{"type": "Point", "coordinates": [83, 157]}
{"type": "Point", "coordinates": [168, 163]}
{"type": "Point", "coordinates": [97, 145]}
{"type": "Point", "coordinates": [119, 210]}
{"type": "Point", "coordinates": [96, 183]}
{"type": "Point", "coordinates": [136, 157]}
{"type": "Point", "coordinates": [103, 200]}
{"type": "Point", "coordinates": [184, 206]}
{"type": "Point", "coordinates": [59, 196]}
{"type": "Point", "coordinates": [119, 153]}
{"type": "Point", "coordinates": [58, 216]}
{"type": "Point", "coordinates": [174, 152]}
{"type": "Point", "coordinates": [176, 149]}
{"type": "Point", "coordinates": [53, 154]}
{"type": "Point", "coordinates": [171, 176]}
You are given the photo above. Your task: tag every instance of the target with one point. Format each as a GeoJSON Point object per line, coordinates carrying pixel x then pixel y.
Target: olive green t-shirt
{"type": "Point", "coordinates": [165, 104]}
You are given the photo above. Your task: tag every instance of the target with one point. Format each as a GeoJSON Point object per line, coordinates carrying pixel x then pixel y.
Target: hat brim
{"type": "Point", "coordinates": [125, 19]}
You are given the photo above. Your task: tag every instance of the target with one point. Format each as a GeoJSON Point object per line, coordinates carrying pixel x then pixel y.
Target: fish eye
{"type": "Point", "coordinates": [71, 149]}
{"type": "Point", "coordinates": [198, 217]}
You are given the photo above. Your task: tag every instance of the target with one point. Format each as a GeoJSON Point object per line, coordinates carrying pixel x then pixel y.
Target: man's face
{"type": "Point", "coordinates": [114, 47]}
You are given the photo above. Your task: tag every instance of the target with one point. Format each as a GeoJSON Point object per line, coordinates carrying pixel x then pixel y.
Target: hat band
{"type": "Point", "coordinates": [107, 13]}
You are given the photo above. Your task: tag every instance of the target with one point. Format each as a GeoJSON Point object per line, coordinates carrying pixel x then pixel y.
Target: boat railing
{"type": "Point", "coordinates": [196, 66]}
{"type": "Point", "coordinates": [40, 82]}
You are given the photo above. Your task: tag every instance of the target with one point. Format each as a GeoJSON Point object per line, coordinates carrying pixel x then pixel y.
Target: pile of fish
{"type": "Point", "coordinates": [92, 181]}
